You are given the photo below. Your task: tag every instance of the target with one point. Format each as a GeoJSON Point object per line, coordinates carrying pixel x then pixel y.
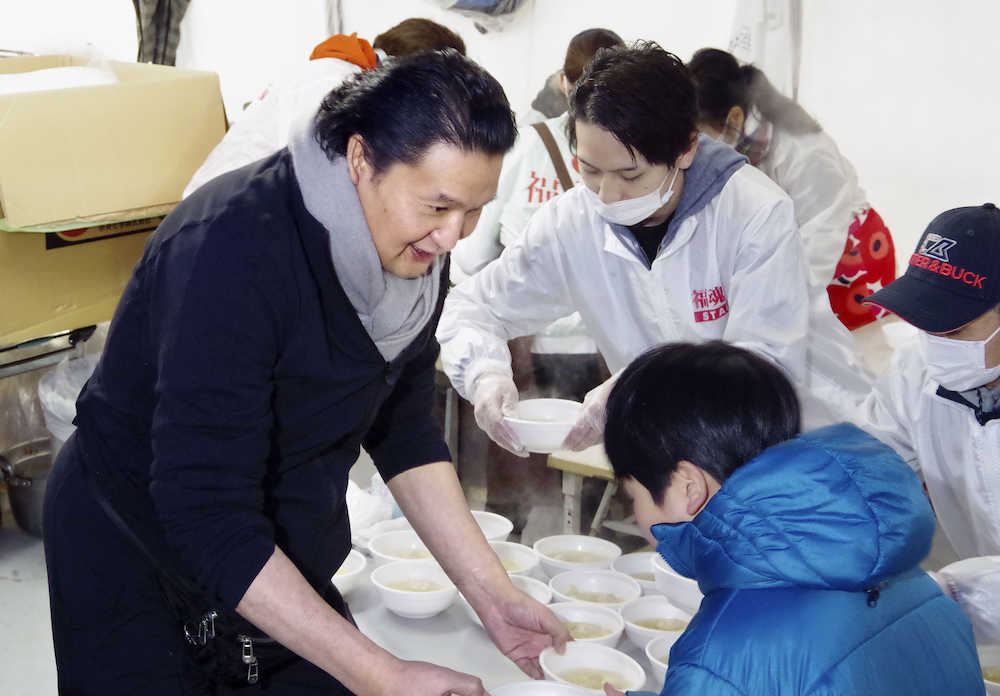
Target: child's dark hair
{"type": "Point", "coordinates": [723, 83]}
{"type": "Point", "coordinates": [713, 404]}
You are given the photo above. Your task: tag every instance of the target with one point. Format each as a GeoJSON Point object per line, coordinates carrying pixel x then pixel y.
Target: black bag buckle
{"type": "Point", "coordinates": [249, 659]}
{"type": "Point", "coordinates": [206, 629]}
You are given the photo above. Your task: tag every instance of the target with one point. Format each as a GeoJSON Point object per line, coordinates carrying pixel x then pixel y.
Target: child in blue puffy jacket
{"type": "Point", "coordinates": [805, 546]}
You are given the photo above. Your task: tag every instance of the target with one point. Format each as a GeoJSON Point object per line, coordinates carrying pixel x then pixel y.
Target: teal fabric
{"type": "Point", "coordinates": [808, 558]}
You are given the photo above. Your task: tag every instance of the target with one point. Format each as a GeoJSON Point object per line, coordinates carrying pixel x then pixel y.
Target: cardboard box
{"type": "Point", "coordinates": [91, 171]}
{"type": "Point", "coordinates": [59, 281]}
{"type": "Point", "coordinates": [108, 152]}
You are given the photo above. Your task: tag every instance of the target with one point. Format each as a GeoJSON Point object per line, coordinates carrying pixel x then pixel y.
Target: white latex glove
{"type": "Point", "coordinates": [494, 395]}
{"type": "Point", "coordinates": [975, 584]}
{"type": "Point", "coordinates": [589, 427]}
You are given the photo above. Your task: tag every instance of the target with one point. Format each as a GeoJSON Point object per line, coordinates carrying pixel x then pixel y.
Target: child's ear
{"type": "Point", "coordinates": [696, 489]}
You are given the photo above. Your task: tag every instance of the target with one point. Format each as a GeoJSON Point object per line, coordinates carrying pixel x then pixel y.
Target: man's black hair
{"type": "Point", "coordinates": [410, 103]}
{"type": "Point", "coordinates": [713, 404]}
{"type": "Point", "coordinates": [641, 94]}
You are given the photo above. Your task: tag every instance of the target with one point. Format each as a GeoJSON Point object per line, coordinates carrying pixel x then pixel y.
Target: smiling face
{"type": "Point", "coordinates": [609, 169]}
{"type": "Point", "coordinates": [418, 211]}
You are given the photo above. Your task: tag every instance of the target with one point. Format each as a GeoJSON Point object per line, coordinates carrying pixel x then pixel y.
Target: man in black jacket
{"type": "Point", "coordinates": [279, 319]}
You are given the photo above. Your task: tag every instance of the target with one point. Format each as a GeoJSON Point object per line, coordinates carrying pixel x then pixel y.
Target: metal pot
{"type": "Point", "coordinates": [26, 468]}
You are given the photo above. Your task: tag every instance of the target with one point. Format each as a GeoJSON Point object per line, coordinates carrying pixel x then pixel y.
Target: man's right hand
{"type": "Point", "coordinates": [494, 396]}
{"type": "Point", "coordinates": [424, 679]}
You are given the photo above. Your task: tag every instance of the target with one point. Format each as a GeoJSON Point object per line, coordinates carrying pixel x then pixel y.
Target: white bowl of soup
{"type": "Point", "coordinates": [590, 623]}
{"type": "Point", "coordinates": [536, 589]}
{"type": "Point", "coordinates": [639, 567]}
{"type": "Point", "coordinates": [350, 572]}
{"type": "Point", "coordinates": [517, 559]}
{"type": "Point", "coordinates": [414, 589]}
{"type": "Point", "coordinates": [989, 659]}
{"type": "Point", "coordinates": [652, 617]}
{"type": "Point", "coordinates": [658, 653]}
{"type": "Point", "coordinates": [542, 424]}
{"type": "Point", "coordinates": [538, 687]}
{"type": "Point", "coordinates": [561, 552]}
{"type": "Point", "coordinates": [682, 592]}
{"type": "Point", "coordinates": [495, 527]}
{"type": "Point", "coordinates": [589, 666]}
{"type": "Point", "coordinates": [401, 545]}
{"type": "Point", "coordinates": [606, 588]}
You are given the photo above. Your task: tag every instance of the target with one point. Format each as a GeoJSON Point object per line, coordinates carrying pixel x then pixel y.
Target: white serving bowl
{"type": "Point", "coordinates": [538, 687]}
{"type": "Point", "coordinates": [536, 589]}
{"type": "Point", "coordinates": [567, 586]}
{"type": "Point", "coordinates": [362, 537]}
{"type": "Point", "coordinates": [651, 608]}
{"type": "Point", "coordinates": [589, 613]}
{"type": "Point", "coordinates": [556, 552]}
{"type": "Point", "coordinates": [518, 559]}
{"type": "Point", "coordinates": [495, 527]}
{"type": "Point", "coordinates": [413, 604]}
{"type": "Point", "coordinates": [682, 592]}
{"type": "Point", "coordinates": [591, 656]}
{"type": "Point", "coordinates": [639, 567]}
{"type": "Point", "coordinates": [658, 653]}
{"type": "Point", "coordinates": [401, 545]}
{"type": "Point", "coordinates": [989, 656]}
{"type": "Point", "coordinates": [350, 572]}
{"type": "Point", "coordinates": [543, 424]}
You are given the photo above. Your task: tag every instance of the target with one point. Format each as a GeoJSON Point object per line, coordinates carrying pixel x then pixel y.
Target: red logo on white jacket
{"type": "Point", "coordinates": [709, 304]}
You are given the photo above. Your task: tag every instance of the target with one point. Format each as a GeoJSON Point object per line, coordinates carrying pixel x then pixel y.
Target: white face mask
{"type": "Point", "coordinates": [958, 365]}
{"type": "Point", "coordinates": [633, 210]}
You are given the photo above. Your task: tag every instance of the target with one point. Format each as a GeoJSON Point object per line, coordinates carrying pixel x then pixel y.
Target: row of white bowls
{"type": "Point", "coordinates": [648, 568]}
{"type": "Point", "coordinates": [594, 653]}
{"type": "Point", "coordinates": [554, 555]}
{"type": "Point", "coordinates": [495, 528]}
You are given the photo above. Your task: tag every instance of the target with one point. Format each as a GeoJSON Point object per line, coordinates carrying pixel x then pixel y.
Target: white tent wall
{"type": "Point", "coordinates": [908, 89]}
{"type": "Point", "coordinates": [533, 44]}
{"type": "Point", "coordinates": [102, 27]}
{"type": "Point", "coordinates": [250, 42]}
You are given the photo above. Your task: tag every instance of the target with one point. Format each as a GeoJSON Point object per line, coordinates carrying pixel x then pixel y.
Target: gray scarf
{"type": "Point", "coordinates": [393, 310]}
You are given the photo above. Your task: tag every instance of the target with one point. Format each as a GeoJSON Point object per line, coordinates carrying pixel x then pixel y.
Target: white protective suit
{"type": "Point", "coordinates": [959, 461]}
{"type": "Point", "coordinates": [528, 179]}
{"type": "Point", "coordinates": [264, 127]}
{"type": "Point", "coordinates": [824, 188]}
{"type": "Point", "coordinates": [734, 270]}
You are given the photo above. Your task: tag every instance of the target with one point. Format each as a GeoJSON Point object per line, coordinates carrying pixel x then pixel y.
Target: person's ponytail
{"type": "Point", "coordinates": [784, 113]}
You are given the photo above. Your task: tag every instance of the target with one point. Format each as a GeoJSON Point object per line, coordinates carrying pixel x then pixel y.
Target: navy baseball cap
{"type": "Point", "coordinates": [953, 276]}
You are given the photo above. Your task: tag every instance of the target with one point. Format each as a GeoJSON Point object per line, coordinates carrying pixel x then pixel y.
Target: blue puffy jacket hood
{"type": "Point", "coordinates": [830, 509]}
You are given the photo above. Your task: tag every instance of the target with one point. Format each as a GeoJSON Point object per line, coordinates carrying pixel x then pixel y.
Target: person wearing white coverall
{"type": "Point", "coordinates": [672, 238]}
{"type": "Point", "coordinates": [267, 123]}
{"type": "Point", "coordinates": [564, 357]}
{"type": "Point", "coordinates": [938, 404]}
{"type": "Point", "coordinates": [849, 249]}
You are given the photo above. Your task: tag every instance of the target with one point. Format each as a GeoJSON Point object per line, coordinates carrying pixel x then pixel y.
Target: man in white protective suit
{"type": "Point", "coordinates": [938, 404]}
{"type": "Point", "coordinates": [672, 237]}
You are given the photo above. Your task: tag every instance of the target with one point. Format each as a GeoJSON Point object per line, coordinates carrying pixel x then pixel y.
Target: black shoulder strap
{"type": "Point", "coordinates": [177, 583]}
{"type": "Point", "coordinates": [557, 160]}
